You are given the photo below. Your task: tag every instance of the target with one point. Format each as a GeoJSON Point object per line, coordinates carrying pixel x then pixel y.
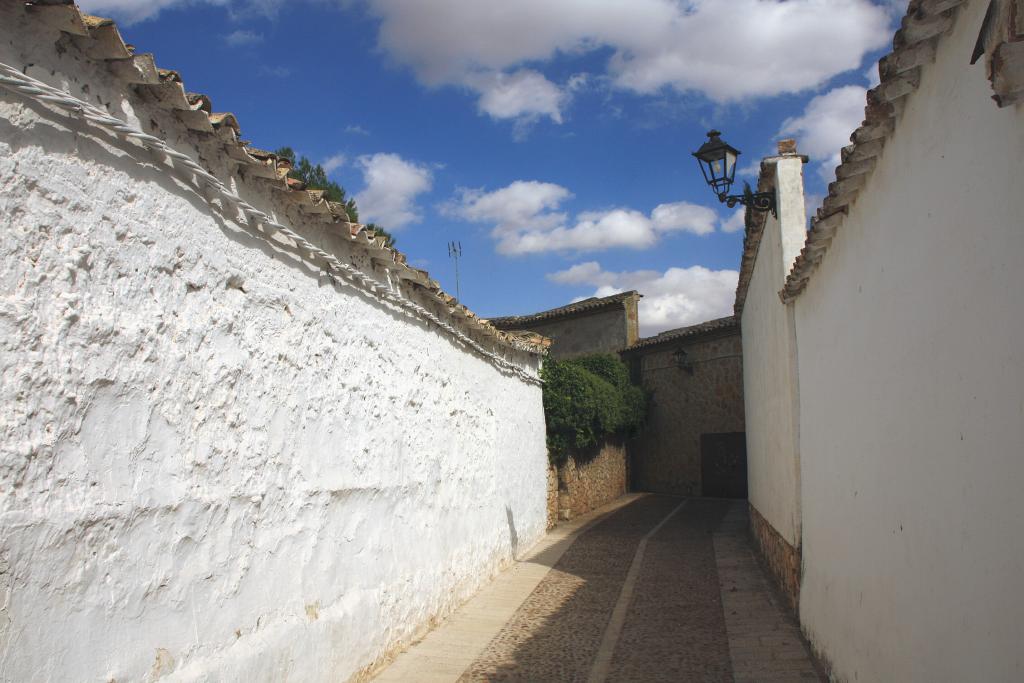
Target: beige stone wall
{"type": "Point", "coordinates": [587, 484]}
{"type": "Point", "coordinates": [552, 496]}
{"type": "Point", "coordinates": [707, 398]}
{"type": "Point", "coordinates": [782, 558]}
{"type": "Point", "coordinates": [602, 331]}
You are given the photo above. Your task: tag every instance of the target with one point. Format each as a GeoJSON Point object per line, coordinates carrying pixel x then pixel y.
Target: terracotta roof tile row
{"type": "Point", "coordinates": [711, 326]}
{"type": "Point", "coordinates": [99, 39]}
{"type": "Point", "coordinates": [754, 223]}
{"type": "Point", "coordinates": [900, 71]}
{"type": "Point", "coordinates": [585, 306]}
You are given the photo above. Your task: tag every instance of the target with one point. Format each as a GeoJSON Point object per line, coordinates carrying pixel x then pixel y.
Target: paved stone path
{"type": "Point", "coordinates": [657, 589]}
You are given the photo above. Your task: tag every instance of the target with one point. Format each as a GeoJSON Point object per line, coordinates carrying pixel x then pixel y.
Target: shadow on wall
{"type": "Point", "coordinates": [513, 537]}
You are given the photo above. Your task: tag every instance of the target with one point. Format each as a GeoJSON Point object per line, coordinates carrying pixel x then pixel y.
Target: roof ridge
{"type": "Point", "coordinates": [583, 305]}
{"type": "Point", "coordinates": [706, 327]}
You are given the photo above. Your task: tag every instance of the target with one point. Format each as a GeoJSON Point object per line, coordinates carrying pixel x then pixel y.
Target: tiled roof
{"type": "Point", "coordinates": [99, 39]}
{"type": "Point", "coordinates": [914, 46]}
{"type": "Point", "coordinates": [717, 325]}
{"type": "Point", "coordinates": [517, 322]}
{"type": "Point", "coordinates": [754, 227]}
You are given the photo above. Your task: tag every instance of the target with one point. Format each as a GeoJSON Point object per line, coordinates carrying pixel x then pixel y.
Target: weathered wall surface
{"type": "Point", "coordinates": [706, 398]}
{"type": "Point", "coordinates": [912, 396]}
{"type": "Point", "coordinates": [552, 510]}
{"type": "Point", "coordinates": [770, 388]}
{"type": "Point", "coordinates": [216, 464]}
{"type": "Point", "coordinates": [604, 331]}
{"type": "Point", "coordinates": [585, 484]}
{"type": "Point", "coordinates": [781, 556]}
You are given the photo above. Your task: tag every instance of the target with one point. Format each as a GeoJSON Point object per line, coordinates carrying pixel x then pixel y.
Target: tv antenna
{"type": "Point", "coordinates": [455, 252]}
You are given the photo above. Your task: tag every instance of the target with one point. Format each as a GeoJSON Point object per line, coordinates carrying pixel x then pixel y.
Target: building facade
{"type": "Point", "coordinates": [595, 325]}
{"type": "Point", "coordinates": [693, 441]}
{"type": "Point", "coordinates": [883, 367]}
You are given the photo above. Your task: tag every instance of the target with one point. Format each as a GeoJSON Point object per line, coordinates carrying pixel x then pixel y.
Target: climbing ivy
{"type": "Point", "coordinates": [587, 399]}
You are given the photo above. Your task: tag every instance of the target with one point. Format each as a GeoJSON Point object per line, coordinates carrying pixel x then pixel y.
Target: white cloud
{"type": "Point", "coordinates": [588, 273]}
{"type": "Point", "coordinates": [240, 37]}
{"type": "Point", "coordinates": [593, 231]}
{"type": "Point", "coordinates": [356, 130]}
{"type": "Point", "coordinates": [522, 205]}
{"type": "Point", "coordinates": [133, 11]}
{"type": "Point", "coordinates": [872, 76]}
{"type": "Point", "coordinates": [726, 49]}
{"type": "Point", "coordinates": [524, 95]}
{"type": "Point", "coordinates": [674, 298]}
{"type": "Point", "coordinates": [392, 185]}
{"type": "Point", "coordinates": [752, 169]}
{"type": "Point", "coordinates": [684, 217]}
{"type": "Point", "coordinates": [333, 163]}
{"type": "Point", "coordinates": [736, 222]}
{"type": "Point", "coordinates": [128, 11]}
{"type": "Point", "coordinates": [526, 217]}
{"type": "Point", "coordinates": [276, 71]}
{"type": "Point", "coordinates": [825, 126]}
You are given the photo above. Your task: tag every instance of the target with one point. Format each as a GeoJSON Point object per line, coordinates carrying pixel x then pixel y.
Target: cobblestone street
{"type": "Point", "coordinates": [660, 589]}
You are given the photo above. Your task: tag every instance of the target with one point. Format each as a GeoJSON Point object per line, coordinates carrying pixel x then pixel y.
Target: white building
{"type": "Point", "coordinates": [242, 439]}
{"type": "Point", "coordinates": [884, 366]}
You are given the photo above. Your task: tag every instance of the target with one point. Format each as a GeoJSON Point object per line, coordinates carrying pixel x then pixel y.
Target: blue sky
{"type": "Point", "coordinates": [551, 137]}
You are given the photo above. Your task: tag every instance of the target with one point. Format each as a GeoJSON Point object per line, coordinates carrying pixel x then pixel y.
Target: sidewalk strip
{"type": "Point", "coordinates": [444, 653]}
{"type": "Point", "coordinates": [603, 660]}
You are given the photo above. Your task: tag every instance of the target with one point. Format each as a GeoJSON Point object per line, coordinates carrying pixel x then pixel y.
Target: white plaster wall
{"type": "Point", "coordinates": [912, 397]}
{"type": "Point", "coordinates": [215, 464]}
{"type": "Point", "coordinates": [769, 363]}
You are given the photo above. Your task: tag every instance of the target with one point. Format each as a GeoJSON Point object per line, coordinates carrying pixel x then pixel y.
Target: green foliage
{"type": "Point", "coordinates": [587, 399]}
{"type": "Point", "coordinates": [315, 178]}
{"type": "Point", "coordinates": [381, 232]}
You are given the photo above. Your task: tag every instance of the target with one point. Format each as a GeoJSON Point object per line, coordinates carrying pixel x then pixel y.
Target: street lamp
{"type": "Point", "coordinates": [718, 164]}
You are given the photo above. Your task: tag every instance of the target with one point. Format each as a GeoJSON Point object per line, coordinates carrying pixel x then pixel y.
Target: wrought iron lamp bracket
{"type": "Point", "coordinates": [758, 201]}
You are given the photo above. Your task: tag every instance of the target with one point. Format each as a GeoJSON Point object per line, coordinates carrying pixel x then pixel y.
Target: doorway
{"type": "Point", "coordinates": [723, 465]}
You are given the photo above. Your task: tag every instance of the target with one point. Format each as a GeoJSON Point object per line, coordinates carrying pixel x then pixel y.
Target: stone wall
{"type": "Point", "coordinates": [595, 325]}
{"type": "Point", "coordinates": [587, 482]}
{"type": "Point", "coordinates": [706, 397]}
{"type": "Point", "coordinates": [217, 462]}
{"type": "Point", "coordinates": [782, 558]}
{"type": "Point", "coordinates": [602, 331]}
{"type": "Point", "coordinates": [552, 496]}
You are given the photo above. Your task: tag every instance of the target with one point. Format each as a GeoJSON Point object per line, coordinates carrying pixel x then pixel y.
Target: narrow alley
{"type": "Point", "coordinates": [659, 588]}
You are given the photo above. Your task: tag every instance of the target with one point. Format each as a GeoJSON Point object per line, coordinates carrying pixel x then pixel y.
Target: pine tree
{"type": "Point", "coordinates": [381, 232]}
{"type": "Point", "coordinates": [315, 178]}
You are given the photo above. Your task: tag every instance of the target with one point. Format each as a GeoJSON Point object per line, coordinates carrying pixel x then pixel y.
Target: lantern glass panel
{"type": "Point", "coordinates": [730, 166]}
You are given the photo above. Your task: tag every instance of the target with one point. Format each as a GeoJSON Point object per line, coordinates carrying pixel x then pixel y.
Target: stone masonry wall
{"type": "Point", "coordinates": [552, 496]}
{"type": "Point", "coordinates": [707, 398]}
{"type": "Point", "coordinates": [602, 331]}
{"type": "Point", "coordinates": [782, 558]}
{"type": "Point", "coordinates": [587, 484]}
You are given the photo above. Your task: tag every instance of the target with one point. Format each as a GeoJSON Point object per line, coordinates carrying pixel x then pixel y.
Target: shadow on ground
{"type": "Point", "coordinates": [674, 629]}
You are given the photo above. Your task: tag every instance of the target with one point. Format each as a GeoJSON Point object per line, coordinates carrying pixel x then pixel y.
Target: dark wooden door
{"type": "Point", "coordinates": [723, 465]}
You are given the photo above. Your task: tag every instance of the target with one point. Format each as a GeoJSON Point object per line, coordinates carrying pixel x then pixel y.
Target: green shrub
{"type": "Point", "coordinates": [587, 399]}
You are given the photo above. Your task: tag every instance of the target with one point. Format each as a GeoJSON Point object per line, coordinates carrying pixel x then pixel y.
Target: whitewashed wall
{"type": "Point", "coordinates": [911, 371]}
{"type": "Point", "coordinates": [216, 464]}
{"type": "Point", "coordinates": [770, 390]}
